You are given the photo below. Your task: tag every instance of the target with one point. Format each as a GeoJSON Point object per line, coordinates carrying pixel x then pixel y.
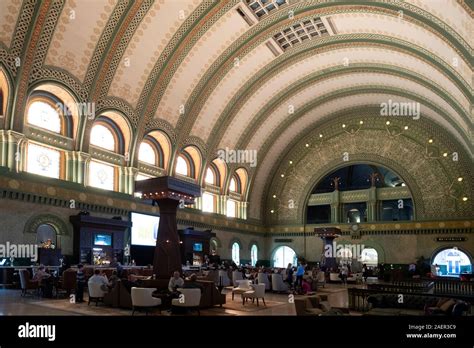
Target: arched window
{"type": "Point", "coordinates": [236, 253]}
{"type": "Point", "coordinates": [283, 256]}
{"type": "Point", "coordinates": [45, 235]}
{"type": "Point", "coordinates": [2, 113]}
{"type": "Point", "coordinates": [231, 208]}
{"type": "Point", "coordinates": [182, 166]}
{"type": "Point", "coordinates": [233, 185]}
{"type": "Point", "coordinates": [101, 175]}
{"type": "Point", "coordinates": [43, 161]}
{"type": "Point", "coordinates": [369, 256]}
{"type": "Point", "coordinates": [147, 153]}
{"type": "Point", "coordinates": [208, 203]}
{"type": "Point", "coordinates": [253, 255]}
{"type": "Point", "coordinates": [103, 137]}
{"type": "Point", "coordinates": [43, 115]}
{"type": "Point", "coordinates": [213, 246]}
{"type": "Point", "coordinates": [210, 177]}
{"type": "Point", "coordinates": [451, 262]}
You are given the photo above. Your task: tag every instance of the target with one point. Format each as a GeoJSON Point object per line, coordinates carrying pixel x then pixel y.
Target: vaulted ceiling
{"type": "Point", "coordinates": [222, 74]}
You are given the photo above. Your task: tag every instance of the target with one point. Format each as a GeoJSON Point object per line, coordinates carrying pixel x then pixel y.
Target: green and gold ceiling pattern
{"type": "Point", "coordinates": [206, 76]}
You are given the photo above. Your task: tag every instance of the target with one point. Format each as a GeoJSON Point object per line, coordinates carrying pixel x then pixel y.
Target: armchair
{"type": "Point", "coordinates": [28, 284]}
{"type": "Point", "coordinates": [190, 298]}
{"type": "Point", "coordinates": [142, 299]}
{"type": "Point", "coordinates": [277, 283]}
{"type": "Point", "coordinates": [262, 278]}
{"type": "Point", "coordinates": [96, 294]}
{"type": "Point", "coordinates": [256, 293]}
{"type": "Point", "coordinates": [243, 286]}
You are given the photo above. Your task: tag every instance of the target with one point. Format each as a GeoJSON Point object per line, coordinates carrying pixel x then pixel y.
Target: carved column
{"type": "Point", "coordinates": [167, 192]}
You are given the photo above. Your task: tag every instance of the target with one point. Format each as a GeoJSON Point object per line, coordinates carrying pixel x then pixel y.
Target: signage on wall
{"type": "Point", "coordinates": [451, 239]}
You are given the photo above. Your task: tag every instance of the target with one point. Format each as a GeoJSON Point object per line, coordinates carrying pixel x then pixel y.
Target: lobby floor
{"type": "Point", "coordinates": [11, 303]}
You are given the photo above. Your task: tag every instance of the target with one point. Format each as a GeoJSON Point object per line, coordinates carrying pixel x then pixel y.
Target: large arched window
{"type": "Point", "coordinates": [355, 179]}
{"type": "Point", "coordinates": [233, 185]}
{"type": "Point", "coordinates": [42, 160]}
{"type": "Point", "coordinates": [182, 166]}
{"type": "Point", "coordinates": [147, 153]}
{"type": "Point", "coordinates": [44, 115]}
{"type": "Point", "coordinates": [253, 255]}
{"type": "Point", "coordinates": [451, 262]}
{"type": "Point", "coordinates": [369, 256]}
{"type": "Point", "coordinates": [283, 256]}
{"type": "Point", "coordinates": [103, 137]}
{"type": "Point", "coordinates": [210, 177]}
{"type": "Point", "coordinates": [236, 253]}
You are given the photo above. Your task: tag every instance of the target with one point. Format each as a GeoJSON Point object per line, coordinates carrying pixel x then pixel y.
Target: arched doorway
{"type": "Point", "coordinates": [284, 255]}
{"type": "Point", "coordinates": [451, 262]}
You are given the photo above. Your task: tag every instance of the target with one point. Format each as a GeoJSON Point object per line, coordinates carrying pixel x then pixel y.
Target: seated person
{"type": "Point", "coordinates": [113, 280]}
{"type": "Point", "coordinates": [175, 282]}
{"type": "Point", "coordinates": [98, 278]}
{"type": "Point", "coordinates": [44, 279]}
{"type": "Point", "coordinates": [41, 274]}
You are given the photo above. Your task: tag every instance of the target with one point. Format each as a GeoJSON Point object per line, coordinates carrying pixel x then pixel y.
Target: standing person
{"type": "Point", "coordinates": [289, 275]}
{"type": "Point", "coordinates": [344, 272]}
{"type": "Point", "coordinates": [365, 272]}
{"type": "Point", "coordinates": [80, 283]}
{"type": "Point", "coordinates": [299, 274]}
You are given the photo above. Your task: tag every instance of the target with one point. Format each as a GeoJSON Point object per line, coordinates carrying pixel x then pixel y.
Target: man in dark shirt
{"type": "Point", "coordinates": [80, 283]}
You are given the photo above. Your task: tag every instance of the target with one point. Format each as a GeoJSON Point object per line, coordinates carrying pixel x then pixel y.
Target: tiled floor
{"type": "Point", "coordinates": [11, 303]}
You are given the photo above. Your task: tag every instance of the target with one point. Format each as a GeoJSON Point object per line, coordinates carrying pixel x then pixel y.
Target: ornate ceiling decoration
{"type": "Point", "coordinates": [218, 74]}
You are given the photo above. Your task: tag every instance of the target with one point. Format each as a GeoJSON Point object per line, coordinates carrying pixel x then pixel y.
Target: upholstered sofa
{"type": "Point", "coordinates": [414, 305]}
{"type": "Point", "coordinates": [316, 305]}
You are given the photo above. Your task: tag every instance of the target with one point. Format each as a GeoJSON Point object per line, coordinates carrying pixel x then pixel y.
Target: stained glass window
{"type": "Point", "coordinates": [43, 115]}
{"type": "Point", "coordinates": [147, 153]}
{"type": "Point", "coordinates": [43, 161]}
{"type": "Point", "coordinates": [101, 175]}
{"type": "Point", "coordinates": [102, 136]}
{"type": "Point", "coordinates": [182, 166]}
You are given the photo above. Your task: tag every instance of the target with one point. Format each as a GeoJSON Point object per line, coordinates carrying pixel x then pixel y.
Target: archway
{"type": "Point", "coordinates": [451, 262]}
{"type": "Point", "coordinates": [282, 256]}
{"type": "Point", "coordinates": [369, 256]}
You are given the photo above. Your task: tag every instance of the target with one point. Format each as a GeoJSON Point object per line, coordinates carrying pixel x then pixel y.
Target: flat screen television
{"type": "Point", "coordinates": [144, 229]}
{"type": "Point", "coordinates": [197, 247]}
{"type": "Point", "coordinates": [103, 239]}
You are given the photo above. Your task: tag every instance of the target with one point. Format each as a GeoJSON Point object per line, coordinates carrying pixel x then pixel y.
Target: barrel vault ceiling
{"type": "Point", "coordinates": [220, 74]}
